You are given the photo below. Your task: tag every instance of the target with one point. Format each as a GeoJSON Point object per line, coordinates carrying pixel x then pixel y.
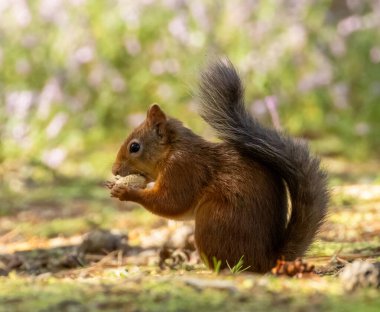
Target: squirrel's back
{"type": "Point", "coordinates": [242, 213]}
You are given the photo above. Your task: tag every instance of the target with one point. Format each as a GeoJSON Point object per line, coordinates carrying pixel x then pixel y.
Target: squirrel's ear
{"type": "Point", "coordinates": [157, 119]}
{"type": "Point", "coordinates": [155, 114]}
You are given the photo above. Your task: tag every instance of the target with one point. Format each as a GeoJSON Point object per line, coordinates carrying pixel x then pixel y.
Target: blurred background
{"type": "Point", "coordinates": [77, 75]}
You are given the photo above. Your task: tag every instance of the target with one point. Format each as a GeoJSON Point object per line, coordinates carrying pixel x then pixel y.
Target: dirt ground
{"type": "Point", "coordinates": [65, 247]}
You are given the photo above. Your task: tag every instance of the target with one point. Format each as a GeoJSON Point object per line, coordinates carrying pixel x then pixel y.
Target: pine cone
{"type": "Point", "coordinates": [292, 268]}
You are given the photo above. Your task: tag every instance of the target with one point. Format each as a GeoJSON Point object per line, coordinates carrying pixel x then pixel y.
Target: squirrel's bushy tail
{"type": "Point", "coordinates": [222, 106]}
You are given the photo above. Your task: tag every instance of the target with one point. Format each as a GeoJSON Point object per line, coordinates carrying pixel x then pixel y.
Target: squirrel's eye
{"type": "Point", "coordinates": [134, 147]}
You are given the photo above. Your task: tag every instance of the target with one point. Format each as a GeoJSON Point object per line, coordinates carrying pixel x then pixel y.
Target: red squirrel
{"type": "Point", "coordinates": [236, 190]}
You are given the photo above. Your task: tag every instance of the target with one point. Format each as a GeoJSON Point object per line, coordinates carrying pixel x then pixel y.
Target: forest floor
{"type": "Point", "coordinates": [66, 246]}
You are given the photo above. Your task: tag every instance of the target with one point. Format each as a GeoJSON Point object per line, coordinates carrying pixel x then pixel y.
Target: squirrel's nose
{"type": "Point", "coordinates": [120, 169]}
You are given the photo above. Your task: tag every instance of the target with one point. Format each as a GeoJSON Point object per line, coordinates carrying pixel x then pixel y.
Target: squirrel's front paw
{"type": "Point", "coordinates": [120, 191]}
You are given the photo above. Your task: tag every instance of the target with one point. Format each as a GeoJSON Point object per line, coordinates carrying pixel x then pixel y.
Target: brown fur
{"type": "Point", "coordinates": [238, 200]}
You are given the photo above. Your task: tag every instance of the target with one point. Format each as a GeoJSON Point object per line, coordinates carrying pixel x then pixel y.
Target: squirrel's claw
{"type": "Point", "coordinates": [109, 184]}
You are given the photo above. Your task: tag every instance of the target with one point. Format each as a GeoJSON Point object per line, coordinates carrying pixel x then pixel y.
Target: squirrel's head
{"type": "Point", "coordinates": [147, 146]}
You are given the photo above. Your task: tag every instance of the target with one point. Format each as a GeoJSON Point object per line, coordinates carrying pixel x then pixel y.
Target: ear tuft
{"type": "Point", "coordinates": [155, 115]}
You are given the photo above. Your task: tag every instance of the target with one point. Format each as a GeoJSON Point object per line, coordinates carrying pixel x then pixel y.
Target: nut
{"type": "Point", "coordinates": [132, 180]}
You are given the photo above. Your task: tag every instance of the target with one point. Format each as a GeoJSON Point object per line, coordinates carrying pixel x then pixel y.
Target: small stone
{"type": "Point", "coordinates": [360, 274]}
{"type": "Point", "coordinates": [101, 241]}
